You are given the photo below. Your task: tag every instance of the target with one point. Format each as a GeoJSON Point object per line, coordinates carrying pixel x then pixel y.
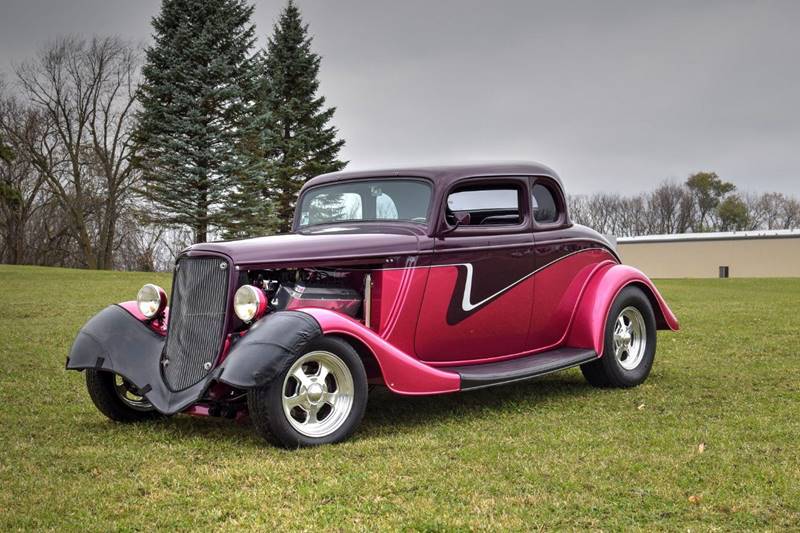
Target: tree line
{"type": "Point", "coordinates": [704, 202]}
{"type": "Point", "coordinates": [114, 157]}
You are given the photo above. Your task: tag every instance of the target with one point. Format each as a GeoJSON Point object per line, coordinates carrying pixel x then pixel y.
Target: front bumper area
{"type": "Point", "coordinates": [116, 341]}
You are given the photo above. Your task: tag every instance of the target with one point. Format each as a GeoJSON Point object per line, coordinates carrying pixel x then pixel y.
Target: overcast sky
{"type": "Point", "coordinates": [614, 95]}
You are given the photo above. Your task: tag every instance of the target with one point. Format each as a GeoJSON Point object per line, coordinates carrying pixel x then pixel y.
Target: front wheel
{"type": "Point", "coordinates": [319, 399]}
{"type": "Point", "coordinates": [118, 399]}
{"type": "Point", "coordinates": [630, 343]}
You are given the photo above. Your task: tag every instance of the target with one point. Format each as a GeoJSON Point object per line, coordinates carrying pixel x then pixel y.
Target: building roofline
{"type": "Point", "coordinates": [713, 236]}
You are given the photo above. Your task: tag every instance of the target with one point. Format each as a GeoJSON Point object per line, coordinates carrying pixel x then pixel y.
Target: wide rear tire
{"type": "Point", "coordinates": [629, 344]}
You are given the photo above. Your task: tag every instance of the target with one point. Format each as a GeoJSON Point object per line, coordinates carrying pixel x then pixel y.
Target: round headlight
{"type": "Point", "coordinates": [151, 300]}
{"type": "Point", "coordinates": [249, 303]}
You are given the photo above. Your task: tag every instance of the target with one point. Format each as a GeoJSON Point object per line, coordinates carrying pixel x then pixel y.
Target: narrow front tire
{"type": "Point", "coordinates": [116, 398]}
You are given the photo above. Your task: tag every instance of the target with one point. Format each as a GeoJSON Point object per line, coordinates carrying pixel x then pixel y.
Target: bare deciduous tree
{"type": "Point", "coordinates": [19, 188]}
{"type": "Point", "coordinates": [85, 91]}
{"type": "Point", "coordinates": [670, 208]}
{"type": "Point", "coordinates": [33, 226]}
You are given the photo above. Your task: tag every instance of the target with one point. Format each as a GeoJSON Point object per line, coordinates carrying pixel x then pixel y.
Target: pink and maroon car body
{"type": "Point", "coordinates": [441, 305]}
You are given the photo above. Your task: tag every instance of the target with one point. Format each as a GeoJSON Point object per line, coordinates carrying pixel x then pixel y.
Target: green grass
{"type": "Point", "coordinates": [549, 454]}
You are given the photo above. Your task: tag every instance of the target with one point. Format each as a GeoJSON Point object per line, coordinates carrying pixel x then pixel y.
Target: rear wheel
{"type": "Point", "coordinates": [319, 399]}
{"type": "Point", "coordinates": [629, 343]}
{"type": "Point", "coordinates": [117, 398]}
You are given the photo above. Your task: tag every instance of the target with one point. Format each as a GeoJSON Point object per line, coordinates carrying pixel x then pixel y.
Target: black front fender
{"type": "Point", "coordinates": [268, 348]}
{"type": "Point", "coordinates": [116, 341]}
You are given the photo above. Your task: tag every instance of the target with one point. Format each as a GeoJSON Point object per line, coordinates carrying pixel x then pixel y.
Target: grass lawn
{"type": "Point", "coordinates": [547, 454]}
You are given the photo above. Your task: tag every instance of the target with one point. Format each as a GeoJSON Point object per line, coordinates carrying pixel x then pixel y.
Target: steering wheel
{"type": "Point", "coordinates": [449, 216]}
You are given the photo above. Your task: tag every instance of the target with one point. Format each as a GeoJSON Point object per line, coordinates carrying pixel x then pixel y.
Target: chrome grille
{"type": "Point", "coordinates": [196, 320]}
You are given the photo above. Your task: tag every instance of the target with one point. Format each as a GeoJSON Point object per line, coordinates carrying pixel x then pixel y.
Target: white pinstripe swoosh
{"type": "Point", "coordinates": [466, 299]}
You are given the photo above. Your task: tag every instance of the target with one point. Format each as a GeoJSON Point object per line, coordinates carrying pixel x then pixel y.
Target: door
{"type": "Point", "coordinates": [478, 298]}
{"type": "Point", "coordinates": [565, 258]}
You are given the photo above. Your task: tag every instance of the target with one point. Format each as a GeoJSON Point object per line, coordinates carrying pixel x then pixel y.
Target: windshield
{"type": "Point", "coordinates": [380, 199]}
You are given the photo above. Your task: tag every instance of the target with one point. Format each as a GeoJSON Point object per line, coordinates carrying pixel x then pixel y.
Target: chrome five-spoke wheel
{"type": "Point", "coordinates": [319, 398]}
{"type": "Point", "coordinates": [317, 394]}
{"type": "Point", "coordinates": [629, 342]}
{"type": "Point", "coordinates": [630, 339]}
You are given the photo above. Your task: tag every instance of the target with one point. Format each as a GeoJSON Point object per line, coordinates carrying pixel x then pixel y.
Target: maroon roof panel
{"type": "Point", "coordinates": [442, 176]}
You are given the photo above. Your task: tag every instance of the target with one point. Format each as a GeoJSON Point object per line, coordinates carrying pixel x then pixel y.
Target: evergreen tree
{"type": "Point", "coordinates": [248, 211]}
{"type": "Point", "coordinates": [299, 143]}
{"type": "Point", "coordinates": [196, 105]}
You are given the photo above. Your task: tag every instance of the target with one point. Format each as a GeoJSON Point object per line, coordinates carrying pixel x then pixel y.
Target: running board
{"type": "Point", "coordinates": [532, 366]}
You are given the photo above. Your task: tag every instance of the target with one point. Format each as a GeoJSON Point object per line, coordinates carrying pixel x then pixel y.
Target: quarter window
{"type": "Point", "coordinates": [545, 208]}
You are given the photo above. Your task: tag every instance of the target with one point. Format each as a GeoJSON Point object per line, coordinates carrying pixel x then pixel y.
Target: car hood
{"type": "Point", "coordinates": [319, 244]}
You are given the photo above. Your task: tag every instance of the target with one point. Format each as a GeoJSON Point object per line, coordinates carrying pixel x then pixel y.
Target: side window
{"type": "Point", "coordinates": [481, 205]}
{"type": "Point", "coordinates": [545, 207]}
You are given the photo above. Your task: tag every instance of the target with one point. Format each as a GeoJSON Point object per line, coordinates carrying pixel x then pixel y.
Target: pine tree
{"type": "Point", "coordinates": [299, 143]}
{"type": "Point", "coordinates": [248, 212]}
{"type": "Point", "coordinates": [196, 105]}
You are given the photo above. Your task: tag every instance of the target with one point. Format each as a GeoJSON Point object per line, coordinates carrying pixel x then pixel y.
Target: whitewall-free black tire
{"type": "Point", "coordinates": [629, 342]}
{"type": "Point", "coordinates": [320, 398]}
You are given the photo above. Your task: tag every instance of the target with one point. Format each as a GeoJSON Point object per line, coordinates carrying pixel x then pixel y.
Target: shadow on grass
{"type": "Point", "coordinates": [211, 429]}
{"type": "Point", "coordinates": [395, 412]}
{"type": "Point", "coordinates": [180, 426]}
{"type": "Point", "coordinates": [386, 412]}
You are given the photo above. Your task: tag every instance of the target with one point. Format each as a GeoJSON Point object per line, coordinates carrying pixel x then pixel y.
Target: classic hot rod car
{"type": "Point", "coordinates": [424, 280]}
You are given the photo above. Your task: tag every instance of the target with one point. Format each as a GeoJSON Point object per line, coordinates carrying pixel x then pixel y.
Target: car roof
{"type": "Point", "coordinates": [443, 175]}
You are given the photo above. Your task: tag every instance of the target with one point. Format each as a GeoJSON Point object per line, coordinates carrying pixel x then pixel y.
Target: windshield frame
{"type": "Point", "coordinates": [296, 226]}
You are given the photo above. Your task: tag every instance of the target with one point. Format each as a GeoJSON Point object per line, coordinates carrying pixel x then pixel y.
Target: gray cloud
{"type": "Point", "coordinates": [613, 95]}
